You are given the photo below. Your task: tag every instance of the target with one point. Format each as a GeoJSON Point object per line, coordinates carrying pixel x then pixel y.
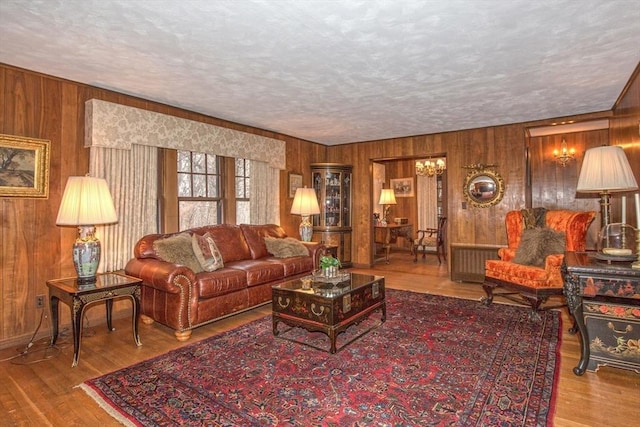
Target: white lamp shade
{"type": "Point", "coordinates": [86, 201]}
{"type": "Point", "coordinates": [305, 202]}
{"type": "Point", "coordinates": [387, 197]}
{"type": "Point", "coordinates": [606, 169]}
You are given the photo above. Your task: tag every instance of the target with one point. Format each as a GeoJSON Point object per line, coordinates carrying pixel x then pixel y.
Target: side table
{"type": "Point", "coordinates": [78, 295]}
{"type": "Point", "coordinates": [604, 299]}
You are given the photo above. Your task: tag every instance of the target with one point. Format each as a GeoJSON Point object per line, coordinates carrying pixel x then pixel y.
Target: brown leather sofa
{"type": "Point", "coordinates": [177, 297]}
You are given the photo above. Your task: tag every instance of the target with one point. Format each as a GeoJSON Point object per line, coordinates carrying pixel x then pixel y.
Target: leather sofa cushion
{"type": "Point", "coordinates": [255, 234]}
{"type": "Point", "coordinates": [294, 265]}
{"type": "Point", "coordinates": [220, 282]}
{"type": "Point", "coordinates": [229, 240]}
{"type": "Point", "coordinates": [259, 271]}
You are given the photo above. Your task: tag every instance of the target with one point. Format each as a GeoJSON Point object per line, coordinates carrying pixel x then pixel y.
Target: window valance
{"type": "Point", "coordinates": [118, 126]}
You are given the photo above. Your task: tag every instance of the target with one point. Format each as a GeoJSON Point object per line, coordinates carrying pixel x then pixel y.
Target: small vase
{"type": "Point", "coordinates": [330, 271]}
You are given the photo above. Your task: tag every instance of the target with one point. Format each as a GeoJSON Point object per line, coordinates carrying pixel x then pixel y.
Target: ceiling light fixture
{"type": "Point", "coordinates": [565, 155]}
{"type": "Point", "coordinates": [430, 168]}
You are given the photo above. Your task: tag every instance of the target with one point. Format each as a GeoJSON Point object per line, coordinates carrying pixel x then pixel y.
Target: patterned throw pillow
{"type": "Point", "coordinates": [538, 243]}
{"type": "Point", "coordinates": [178, 249]}
{"type": "Point", "coordinates": [285, 248]}
{"type": "Point", "coordinates": [207, 252]}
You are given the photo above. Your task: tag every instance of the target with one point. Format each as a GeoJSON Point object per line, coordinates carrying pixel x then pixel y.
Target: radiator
{"type": "Point", "coordinates": [467, 261]}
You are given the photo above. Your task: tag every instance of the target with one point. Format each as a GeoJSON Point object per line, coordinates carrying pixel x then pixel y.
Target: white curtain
{"type": "Point", "coordinates": [427, 188]}
{"type": "Point", "coordinates": [264, 193]}
{"type": "Point", "coordinates": [132, 176]}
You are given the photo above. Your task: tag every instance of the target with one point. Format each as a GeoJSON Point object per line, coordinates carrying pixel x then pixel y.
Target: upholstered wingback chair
{"type": "Point", "coordinates": [532, 285]}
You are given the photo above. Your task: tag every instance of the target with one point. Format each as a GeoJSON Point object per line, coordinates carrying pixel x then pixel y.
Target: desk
{"type": "Point", "coordinates": [77, 296]}
{"type": "Point", "coordinates": [605, 302]}
{"type": "Point", "coordinates": [386, 235]}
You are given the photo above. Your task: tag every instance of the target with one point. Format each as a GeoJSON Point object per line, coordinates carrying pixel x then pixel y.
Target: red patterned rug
{"type": "Point", "coordinates": [436, 361]}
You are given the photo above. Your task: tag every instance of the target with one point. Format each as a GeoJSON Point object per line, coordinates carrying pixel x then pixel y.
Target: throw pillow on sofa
{"type": "Point", "coordinates": [178, 249]}
{"type": "Point", "coordinates": [285, 248]}
{"type": "Point", "coordinates": [206, 251]}
{"type": "Point", "coordinates": [538, 243]}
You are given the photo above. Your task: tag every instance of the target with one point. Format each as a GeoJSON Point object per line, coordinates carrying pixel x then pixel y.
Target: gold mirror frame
{"type": "Point", "coordinates": [483, 187]}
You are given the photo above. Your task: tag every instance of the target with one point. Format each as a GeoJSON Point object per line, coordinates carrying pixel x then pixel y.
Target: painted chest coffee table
{"type": "Point", "coordinates": [329, 308]}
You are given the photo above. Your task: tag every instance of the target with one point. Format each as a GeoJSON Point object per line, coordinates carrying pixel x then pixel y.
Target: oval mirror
{"type": "Point", "coordinates": [483, 188]}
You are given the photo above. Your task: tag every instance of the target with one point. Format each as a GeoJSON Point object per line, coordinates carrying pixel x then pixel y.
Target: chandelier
{"type": "Point", "coordinates": [565, 155]}
{"type": "Point", "coordinates": [430, 168]}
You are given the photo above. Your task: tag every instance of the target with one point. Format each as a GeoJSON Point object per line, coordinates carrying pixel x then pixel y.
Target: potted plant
{"type": "Point", "coordinates": [329, 265]}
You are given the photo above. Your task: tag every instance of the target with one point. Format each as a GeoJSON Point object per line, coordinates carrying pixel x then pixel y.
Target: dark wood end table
{"type": "Point", "coordinates": [327, 308]}
{"type": "Point", "coordinates": [604, 299]}
{"type": "Point", "coordinates": [77, 295]}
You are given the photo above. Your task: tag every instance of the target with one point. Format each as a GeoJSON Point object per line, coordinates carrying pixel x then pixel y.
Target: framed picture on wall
{"type": "Point", "coordinates": [295, 182]}
{"type": "Point", "coordinates": [24, 167]}
{"type": "Point", "coordinates": [402, 187]}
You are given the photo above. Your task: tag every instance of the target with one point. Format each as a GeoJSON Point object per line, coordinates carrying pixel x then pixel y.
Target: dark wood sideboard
{"type": "Point", "coordinates": [604, 298]}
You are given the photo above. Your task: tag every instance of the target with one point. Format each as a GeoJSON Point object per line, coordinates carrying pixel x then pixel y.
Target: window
{"type": "Point", "coordinates": [243, 182]}
{"type": "Point", "coordinates": [199, 195]}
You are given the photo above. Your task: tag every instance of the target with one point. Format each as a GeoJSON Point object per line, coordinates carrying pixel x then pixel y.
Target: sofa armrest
{"type": "Point", "coordinates": [316, 250]}
{"type": "Point", "coordinates": [160, 275]}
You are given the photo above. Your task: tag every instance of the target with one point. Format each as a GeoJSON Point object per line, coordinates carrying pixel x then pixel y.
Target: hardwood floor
{"type": "Point", "coordinates": [45, 393]}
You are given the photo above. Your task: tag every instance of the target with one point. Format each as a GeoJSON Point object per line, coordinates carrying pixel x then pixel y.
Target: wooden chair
{"type": "Point", "coordinates": [431, 240]}
{"type": "Point", "coordinates": [528, 284]}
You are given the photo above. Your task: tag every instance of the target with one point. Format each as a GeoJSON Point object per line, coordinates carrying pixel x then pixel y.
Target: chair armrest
{"type": "Point", "coordinates": [316, 250]}
{"type": "Point", "coordinates": [552, 265]}
{"type": "Point", "coordinates": [160, 275]}
{"type": "Point", "coordinates": [553, 261]}
{"type": "Point", "coordinates": [506, 254]}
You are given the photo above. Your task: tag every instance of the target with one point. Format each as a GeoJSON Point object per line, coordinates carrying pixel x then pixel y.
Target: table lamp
{"type": "Point", "coordinates": [387, 198]}
{"type": "Point", "coordinates": [305, 203]}
{"type": "Point", "coordinates": [604, 170]}
{"type": "Point", "coordinates": [86, 202]}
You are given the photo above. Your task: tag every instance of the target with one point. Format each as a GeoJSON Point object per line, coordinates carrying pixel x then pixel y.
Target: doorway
{"type": "Point", "coordinates": [421, 209]}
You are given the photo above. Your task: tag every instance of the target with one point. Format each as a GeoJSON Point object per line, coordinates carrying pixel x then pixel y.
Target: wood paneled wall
{"type": "Point", "coordinates": [34, 249]}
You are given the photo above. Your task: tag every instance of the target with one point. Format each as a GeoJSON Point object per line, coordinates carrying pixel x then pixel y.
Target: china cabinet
{"type": "Point", "coordinates": [332, 183]}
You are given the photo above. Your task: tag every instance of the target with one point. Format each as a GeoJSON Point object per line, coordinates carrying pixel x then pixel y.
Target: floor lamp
{"type": "Point", "coordinates": [605, 170]}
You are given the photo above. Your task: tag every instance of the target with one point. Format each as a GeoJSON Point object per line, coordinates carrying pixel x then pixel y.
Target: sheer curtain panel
{"type": "Point", "coordinates": [132, 176]}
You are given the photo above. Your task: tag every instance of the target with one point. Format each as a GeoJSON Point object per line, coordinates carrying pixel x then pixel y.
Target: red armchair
{"type": "Point", "coordinates": [532, 285]}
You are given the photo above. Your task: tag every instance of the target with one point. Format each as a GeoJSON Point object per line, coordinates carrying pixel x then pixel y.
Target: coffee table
{"type": "Point", "coordinates": [329, 308]}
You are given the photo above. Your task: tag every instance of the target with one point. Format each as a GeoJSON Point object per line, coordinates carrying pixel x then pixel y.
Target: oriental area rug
{"type": "Point", "coordinates": [436, 361]}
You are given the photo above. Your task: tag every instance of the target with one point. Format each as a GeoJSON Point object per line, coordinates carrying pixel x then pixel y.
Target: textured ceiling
{"type": "Point", "coordinates": [338, 71]}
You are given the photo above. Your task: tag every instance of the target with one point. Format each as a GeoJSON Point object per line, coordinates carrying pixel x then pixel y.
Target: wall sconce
{"type": "Point", "coordinates": [565, 155]}
{"type": "Point", "coordinates": [429, 168]}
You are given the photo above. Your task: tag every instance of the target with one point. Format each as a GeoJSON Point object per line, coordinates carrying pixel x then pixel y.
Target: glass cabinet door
{"type": "Point", "coordinates": [333, 188]}
{"type": "Point", "coordinates": [332, 182]}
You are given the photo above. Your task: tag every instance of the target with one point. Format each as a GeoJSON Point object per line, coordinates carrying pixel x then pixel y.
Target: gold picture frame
{"type": "Point", "coordinates": [295, 182]}
{"type": "Point", "coordinates": [483, 187]}
{"type": "Point", "coordinates": [402, 187]}
{"type": "Point", "coordinates": [24, 167]}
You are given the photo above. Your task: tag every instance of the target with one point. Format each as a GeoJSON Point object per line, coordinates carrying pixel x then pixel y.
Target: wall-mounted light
{"type": "Point", "coordinates": [565, 154]}
{"type": "Point", "coordinates": [430, 168]}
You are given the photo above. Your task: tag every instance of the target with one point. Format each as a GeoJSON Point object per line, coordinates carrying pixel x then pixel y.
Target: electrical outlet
{"type": "Point", "coordinates": [40, 301]}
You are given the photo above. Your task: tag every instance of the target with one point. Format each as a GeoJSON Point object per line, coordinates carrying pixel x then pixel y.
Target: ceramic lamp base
{"type": "Point", "coordinates": [306, 229]}
{"type": "Point", "coordinates": [86, 254]}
